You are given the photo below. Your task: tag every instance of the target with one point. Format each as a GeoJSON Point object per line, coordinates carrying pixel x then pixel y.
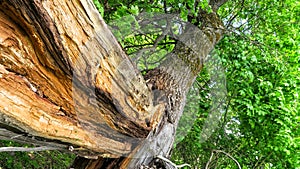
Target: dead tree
{"type": "Point", "coordinates": [64, 84]}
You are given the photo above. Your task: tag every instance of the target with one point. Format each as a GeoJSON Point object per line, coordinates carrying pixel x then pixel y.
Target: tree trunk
{"type": "Point", "coordinates": [66, 83]}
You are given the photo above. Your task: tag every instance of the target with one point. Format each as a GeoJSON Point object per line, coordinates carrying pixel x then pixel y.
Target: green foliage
{"type": "Point", "coordinates": [117, 9]}
{"type": "Point", "coordinates": [99, 6]}
{"type": "Point", "coordinates": [42, 160]}
{"type": "Point", "coordinates": [261, 60]}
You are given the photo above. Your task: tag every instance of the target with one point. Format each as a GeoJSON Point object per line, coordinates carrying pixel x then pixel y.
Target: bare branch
{"type": "Point", "coordinates": [24, 149]}
{"type": "Point", "coordinates": [171, 163]}
{"type": "Point", "coordinates": [210, 159]}
{"type": "Point", "coordinates": [227, 154]}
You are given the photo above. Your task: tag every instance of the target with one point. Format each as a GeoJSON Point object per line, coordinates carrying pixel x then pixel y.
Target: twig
{"type": "Point", "coordinates": [24, 149]}
{"type": "Point", "coordinates": [209, 161]}
{"type": "Point", "coordinates": [227, 154]}
{"type": "Point", "coordinates": [171, 163]}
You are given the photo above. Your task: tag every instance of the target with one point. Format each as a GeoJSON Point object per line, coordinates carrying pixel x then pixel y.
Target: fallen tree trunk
{"type": "Point", "coordinates": [66, 83]}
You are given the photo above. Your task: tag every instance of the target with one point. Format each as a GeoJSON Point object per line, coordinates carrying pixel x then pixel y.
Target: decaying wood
{"type": "Point", "coordinates": [65, 82]}
{"type": "Point", "coordinates": [63, 78]}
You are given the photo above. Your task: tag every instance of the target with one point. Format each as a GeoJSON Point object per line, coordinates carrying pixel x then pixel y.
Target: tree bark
{"type": "Point", "coordinates": [65, 82]}
{"type": "Point", "coordinates": [61, 78]}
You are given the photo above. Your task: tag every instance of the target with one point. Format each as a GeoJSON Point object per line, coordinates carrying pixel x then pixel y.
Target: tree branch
{"type": "Point", "coordinates": [171, 163]}
{"type": "Point", "coordinates": [216, 4]}
{"type": "Point", "coordinates": [227, 154]}
{"type": "Point", "coordinates": [24, 149]}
